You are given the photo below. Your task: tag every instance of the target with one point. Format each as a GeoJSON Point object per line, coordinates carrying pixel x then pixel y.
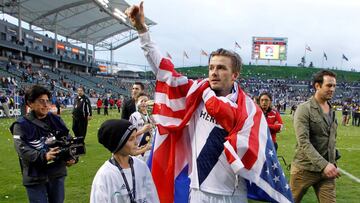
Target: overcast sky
{"type": "Point", "coordinates": [329, 26]}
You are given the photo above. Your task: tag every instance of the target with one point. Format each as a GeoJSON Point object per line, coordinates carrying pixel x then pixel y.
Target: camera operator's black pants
{"type": "Point", "coordinates": [79, 127]}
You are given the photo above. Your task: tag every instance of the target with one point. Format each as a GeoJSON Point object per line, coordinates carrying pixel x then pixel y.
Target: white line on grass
{"type": "Point", "coordinates": [350, 149]}
{"type": "Point", "coordinates": [350, 175]}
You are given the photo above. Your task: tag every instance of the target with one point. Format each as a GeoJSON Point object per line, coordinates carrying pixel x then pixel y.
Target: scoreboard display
{"type": "Point", "coordinates": [269, 48]}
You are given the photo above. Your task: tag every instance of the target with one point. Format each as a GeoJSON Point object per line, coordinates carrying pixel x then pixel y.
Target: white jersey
{"type": "Point", "coordinates": [139, 121]}
{"type": "Point", "coordinates": [209, 170]}
{"type": "Point", "coordinates": [109, 186]}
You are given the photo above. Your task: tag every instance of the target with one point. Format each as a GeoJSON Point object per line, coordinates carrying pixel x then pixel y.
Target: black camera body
{"type": "Point", "coordinates": [70, 147]}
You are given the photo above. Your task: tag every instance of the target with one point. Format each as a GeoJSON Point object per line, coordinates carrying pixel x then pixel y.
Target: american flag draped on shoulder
{"type": "Point", "coordinates": [249, 149]}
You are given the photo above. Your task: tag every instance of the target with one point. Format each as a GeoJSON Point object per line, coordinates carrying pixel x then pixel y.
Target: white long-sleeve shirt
{"type": "Point", "coordinates": [209, 170]}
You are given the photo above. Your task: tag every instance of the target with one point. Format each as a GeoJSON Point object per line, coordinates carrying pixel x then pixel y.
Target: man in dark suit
{"type": "Point", "coordinates": [129, 105]}
{"type": "Point", "coordinates": [82, 112]}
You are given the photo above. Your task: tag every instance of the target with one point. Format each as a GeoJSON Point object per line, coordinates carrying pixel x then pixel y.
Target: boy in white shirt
{"type": "Point", "coordinates": [123, 178]}
{"type": "Point", "coordinates": [141, 119]}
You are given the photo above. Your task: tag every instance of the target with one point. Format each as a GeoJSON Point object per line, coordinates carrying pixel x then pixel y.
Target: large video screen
{"type": "Point", "coordinates": [269, 48]}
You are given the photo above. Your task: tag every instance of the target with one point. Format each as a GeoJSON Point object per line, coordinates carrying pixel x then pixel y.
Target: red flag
{"type": "Point", "coordinates": [204, 53]}
{"type": "Point", "coordinates": [249, 152]}
{"type": "Point", "coordinates": [168, 55]}
{"type": "Point", "coordinates": [237, 45]}
{"type": "Point", "coordinates": [185, 55]}
{"type": "Point", "coordinates": [307, 48]}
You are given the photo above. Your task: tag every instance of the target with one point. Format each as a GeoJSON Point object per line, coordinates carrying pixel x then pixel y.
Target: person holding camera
{"type": "Point", "coordinates": [43, 169]}
{"type": "Point", "coordinates": [315, 157]}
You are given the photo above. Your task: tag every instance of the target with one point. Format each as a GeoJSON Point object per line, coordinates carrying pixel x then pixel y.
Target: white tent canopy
{"type": "Point", "coordinates": [86, 21]}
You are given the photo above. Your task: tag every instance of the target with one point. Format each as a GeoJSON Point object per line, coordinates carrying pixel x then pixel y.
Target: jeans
{"type": "Point", "coordinates": [50, 192]}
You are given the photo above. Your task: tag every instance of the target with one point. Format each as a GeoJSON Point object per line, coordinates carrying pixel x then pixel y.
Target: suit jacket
{"type": "Point", "coordinates": [128, 108]}
{"type": "Point", "coordinates": [316, 137]}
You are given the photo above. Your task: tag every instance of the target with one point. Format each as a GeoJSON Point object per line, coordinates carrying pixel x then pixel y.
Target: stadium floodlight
{"type": "Point", "coordinates": [104, 3]}
{"type": "Point", "coordinates": [119, 14]}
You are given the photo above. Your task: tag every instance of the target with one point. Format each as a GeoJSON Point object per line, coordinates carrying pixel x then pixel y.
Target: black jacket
{"type": "Point", "coordinates": [128, 108]}
{"type": "Point", "coordinates": [82, 107]}
{"type": "Point", "coordinates": [29, 141]}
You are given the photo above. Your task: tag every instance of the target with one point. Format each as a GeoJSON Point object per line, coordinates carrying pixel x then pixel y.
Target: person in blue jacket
{"type": "Point", "coordinates": [43, 169]}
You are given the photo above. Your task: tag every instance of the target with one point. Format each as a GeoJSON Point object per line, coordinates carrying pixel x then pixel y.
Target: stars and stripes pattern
{"type": "Point", "coordinates": [248, 146]}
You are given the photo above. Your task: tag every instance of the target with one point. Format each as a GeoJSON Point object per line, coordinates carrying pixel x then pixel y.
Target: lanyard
{"type": "Point", "coordinates": [131, 162]}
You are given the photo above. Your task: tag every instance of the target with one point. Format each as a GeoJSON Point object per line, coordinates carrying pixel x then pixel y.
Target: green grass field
{"type": "Point", "coordinates": [78, 182]}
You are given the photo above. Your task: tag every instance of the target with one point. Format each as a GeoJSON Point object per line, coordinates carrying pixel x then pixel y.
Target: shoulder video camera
{"type": "Point", "coordinates": [70, 147]}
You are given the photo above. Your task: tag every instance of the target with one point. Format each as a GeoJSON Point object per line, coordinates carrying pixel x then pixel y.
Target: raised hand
{"type": "Point", "coordinates": [137, 18]}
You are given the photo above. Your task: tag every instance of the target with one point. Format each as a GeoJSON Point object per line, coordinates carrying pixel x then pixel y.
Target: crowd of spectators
{"type": "Point", "coordinates": [296, 91]}
{"type": "Point", "coordinates": [8, 82]}
{"type": "Point", "coordinates": [286, 92]}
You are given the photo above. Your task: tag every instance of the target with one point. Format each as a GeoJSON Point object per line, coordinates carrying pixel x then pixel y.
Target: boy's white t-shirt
{"type": "Point", "coordinates": [138, 120]}
{"type": "Point", "coordinates": [109, 186]}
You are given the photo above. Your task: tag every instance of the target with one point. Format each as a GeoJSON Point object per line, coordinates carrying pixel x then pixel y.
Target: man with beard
{"type": "Point", "coordinates": [211, 177]}
{"type": "Point", "coordinates": [315, 126]}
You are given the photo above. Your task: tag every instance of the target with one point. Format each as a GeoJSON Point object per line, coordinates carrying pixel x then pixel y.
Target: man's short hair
{"type": "Point", "coordinates": [35, 92]}
{"type": "Point", "coordinates": [235, 58]}
{"type": "Point", "coordinates": [319, 76]}
{"type": "Point", "coordinates": [140, 84]}
{"type": "Point", "coordinates": [81, 87]}
{"type": "Point", "coordinates": [267, 94]}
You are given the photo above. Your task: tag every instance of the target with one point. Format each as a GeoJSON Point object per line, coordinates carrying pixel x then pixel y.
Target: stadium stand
{"type": "Point", "coordinates": [33, 58]}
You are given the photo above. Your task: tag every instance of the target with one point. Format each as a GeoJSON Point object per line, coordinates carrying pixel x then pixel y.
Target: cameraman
{"type": "Point", "coordinates": [42, 169]}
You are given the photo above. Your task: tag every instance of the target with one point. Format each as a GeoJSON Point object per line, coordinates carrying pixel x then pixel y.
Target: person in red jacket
{"type": "Point", "coordinates": [273, 117]}
{"type": "Point", "coordinates": [118, 104]}
{"type": "Point", "coordinates": [112, 103]}
{"type": "Point", "coordinates": [99, 105]}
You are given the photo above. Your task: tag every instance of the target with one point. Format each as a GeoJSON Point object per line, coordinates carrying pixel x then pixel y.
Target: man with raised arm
{"type": "Point", "coordinates": [214, 115]}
